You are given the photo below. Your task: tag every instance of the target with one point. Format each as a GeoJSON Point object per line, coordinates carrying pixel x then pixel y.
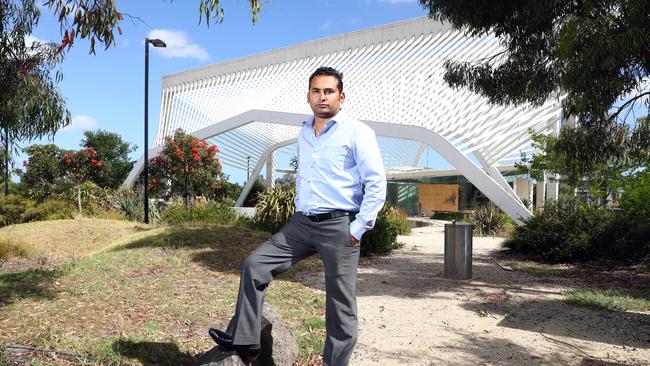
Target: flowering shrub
{"type": "Point", "coordinates": [77, 167]}
{"type": "Point", "coordinates": [185, 166]}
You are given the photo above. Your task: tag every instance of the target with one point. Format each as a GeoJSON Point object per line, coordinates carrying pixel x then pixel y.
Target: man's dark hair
{"type": "Point", "coordinates": [324, 70]}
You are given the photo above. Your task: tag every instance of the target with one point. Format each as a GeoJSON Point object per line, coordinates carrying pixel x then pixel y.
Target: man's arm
{"type": "Point", "coordinates": [372, 175]}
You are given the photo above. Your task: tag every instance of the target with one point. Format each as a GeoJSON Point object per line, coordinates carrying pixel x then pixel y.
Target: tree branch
{"type": "Point", "coordinates": [621, 108]}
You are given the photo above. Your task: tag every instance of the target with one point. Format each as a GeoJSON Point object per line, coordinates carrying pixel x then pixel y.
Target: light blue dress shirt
{"type": "Point", "coordinates": [341, 169]}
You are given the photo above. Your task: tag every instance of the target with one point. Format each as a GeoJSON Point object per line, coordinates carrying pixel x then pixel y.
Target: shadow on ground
{"type": "Point", "coordinates": [469, 350]}
{"type": "Point", "coordinates": [217, 247]}
{"type": "Point", "coordinates": [555, 317]}
{"type": "Point", "coordinates": [152, 353]}
{"type": "Point", "coordinates": [31, 284]}
{"type": "Point", "coordinates": [417, 275]}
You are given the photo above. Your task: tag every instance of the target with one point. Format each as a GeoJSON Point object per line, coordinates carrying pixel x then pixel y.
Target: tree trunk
{"type": "Point", "coordinates": [79, 199]}
{"type": "Point", "coordinates": [186, 195]}
{"type": "Point", "coordinates": [6, 161]}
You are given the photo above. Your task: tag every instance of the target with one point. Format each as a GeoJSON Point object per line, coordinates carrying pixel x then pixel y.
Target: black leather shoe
{"type": "Point", "coordinates": [221, 338]}
{"type": "Point", "coordinates": [248, 352]}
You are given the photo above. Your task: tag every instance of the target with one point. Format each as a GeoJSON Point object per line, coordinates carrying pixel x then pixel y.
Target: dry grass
{"type": "Point", "coordinates": [147, 299]}
{"type": "Point", "coordinates": [68, 239]}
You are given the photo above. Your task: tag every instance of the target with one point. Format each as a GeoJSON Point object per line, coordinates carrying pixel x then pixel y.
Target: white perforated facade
{"type": "Point", "coordinates": [393, 78]}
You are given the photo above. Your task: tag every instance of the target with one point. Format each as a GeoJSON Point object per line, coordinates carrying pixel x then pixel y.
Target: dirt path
{"type": "Point", "coordinates": [409, 315]}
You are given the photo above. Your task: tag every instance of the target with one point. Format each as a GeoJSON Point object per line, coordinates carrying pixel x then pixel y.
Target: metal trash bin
{"type": "Point", "coordinates": [458, 251]}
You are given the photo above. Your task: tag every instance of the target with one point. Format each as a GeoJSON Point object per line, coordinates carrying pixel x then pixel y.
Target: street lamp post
{"type": "Point", "coordinates": [155, 43]}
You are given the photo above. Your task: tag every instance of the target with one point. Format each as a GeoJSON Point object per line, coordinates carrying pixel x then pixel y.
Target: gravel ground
{"type": "Point", "coordinates": [410, 315]}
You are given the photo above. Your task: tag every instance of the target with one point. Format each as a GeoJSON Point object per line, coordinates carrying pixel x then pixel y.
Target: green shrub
{"type": "Point", "coordinates": [488, 220]}
{"type": "Point", "coordinates": [629, 234]}
{"type": "Point", "coordinates": [448, 216]}
{"type": "Point", "coordinates": [565, 231]}
{"type": "Point", "coordinates": [253, 196]}
{"type": "Point", "coordinates": [209, 213]}
{"type": "Point", "coordinates": [274, 208]}
{"type": "Point", "coordinates": [50, 210]}
{"type": "Point", "coordinates": [129, 204]}
{"type": "Point", "coordinates": [382, 239]}
{"type": "Point", "coordinates": [398, 218]}
{"type": "Point", "coordinates": [12, 208]}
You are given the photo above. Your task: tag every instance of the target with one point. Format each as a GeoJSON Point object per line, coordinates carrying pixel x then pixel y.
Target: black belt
{"type": "Point", "coordinates": [330, 215]}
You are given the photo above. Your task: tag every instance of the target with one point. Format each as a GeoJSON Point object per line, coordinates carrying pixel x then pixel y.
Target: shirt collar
{"type": "Point", "coordinates": [340, 118]}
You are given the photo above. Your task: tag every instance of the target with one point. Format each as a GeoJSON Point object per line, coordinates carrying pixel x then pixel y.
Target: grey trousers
{"type": "Point", "coordinates": [299, 239]}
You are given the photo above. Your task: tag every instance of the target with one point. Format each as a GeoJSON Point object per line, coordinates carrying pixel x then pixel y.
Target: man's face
{"type": "Point", "coordinates": [324, 96]}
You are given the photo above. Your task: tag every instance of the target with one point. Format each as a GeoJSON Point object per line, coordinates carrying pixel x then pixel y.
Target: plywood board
{"type": "Point", "coordinates": [438, 197]}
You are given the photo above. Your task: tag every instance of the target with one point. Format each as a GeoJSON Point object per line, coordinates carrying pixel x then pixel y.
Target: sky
{"type": "Point", "coordinates": [106, 91]}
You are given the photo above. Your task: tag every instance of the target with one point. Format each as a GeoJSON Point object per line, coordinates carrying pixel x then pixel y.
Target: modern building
{"type": "Point", "coordinates": [253, 107]}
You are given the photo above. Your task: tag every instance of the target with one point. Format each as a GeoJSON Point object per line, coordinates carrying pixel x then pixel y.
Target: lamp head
{"type": "Point", "coordinates": [157, 42]}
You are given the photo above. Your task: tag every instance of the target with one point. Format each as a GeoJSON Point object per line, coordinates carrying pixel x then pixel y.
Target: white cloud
{"type": "Point", "coordinates": [81, 123]}
{"type": "Point", "coordinates": [31, 39]}
{"type": "Point", "coordinates": [178, 45]}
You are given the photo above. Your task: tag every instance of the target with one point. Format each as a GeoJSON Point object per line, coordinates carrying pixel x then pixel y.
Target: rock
{"type": "Point", "coordinates": [279, 346]}
{"type": "Point", "coordinates": [218, 356]}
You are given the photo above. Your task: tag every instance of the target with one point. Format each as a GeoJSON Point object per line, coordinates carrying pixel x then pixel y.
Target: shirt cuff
{"type": "Point", "coordinates": [356, 229]}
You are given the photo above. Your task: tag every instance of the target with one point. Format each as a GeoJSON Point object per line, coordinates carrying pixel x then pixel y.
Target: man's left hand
{"type": "Point", "coordinates": [354, 241]}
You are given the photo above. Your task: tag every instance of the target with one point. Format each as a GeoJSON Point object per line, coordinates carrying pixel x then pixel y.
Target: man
{"type": "Point", "coordinates": [341, 187]}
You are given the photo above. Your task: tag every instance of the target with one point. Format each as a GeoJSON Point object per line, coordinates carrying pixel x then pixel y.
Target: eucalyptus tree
{"type": "Point", "coordinates": [597, 53]}
{"type": "Point", "coordinates": [31, 105]}
{"type": "Point", "coordinates": [99, 20]}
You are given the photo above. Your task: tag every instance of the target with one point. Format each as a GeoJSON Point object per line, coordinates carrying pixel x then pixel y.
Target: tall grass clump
{"type": "Point", "coordinates": [10, 249]}
{"type": "Point", "coordinates": [274, 207]}
{"type": "Point", "coordinates": [129, 204]}
{"type": "Point", "coordinates": [488, 220]}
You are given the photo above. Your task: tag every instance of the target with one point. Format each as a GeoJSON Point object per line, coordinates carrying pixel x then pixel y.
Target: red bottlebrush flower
{"type": "Point", "coordinates": [99, 164]}
{"type": "Point", "coordinates": [154, 181]}
{"type": "Point", "coordinates": [68, 161]}
{"type": "Point", "coordinates": [93, 161]}
{"type": "Point", "coordinates": [195, 149]}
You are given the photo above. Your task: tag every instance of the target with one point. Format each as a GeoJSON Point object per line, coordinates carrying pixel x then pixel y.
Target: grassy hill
{"type": "Point", "coordinates": [126, 293]}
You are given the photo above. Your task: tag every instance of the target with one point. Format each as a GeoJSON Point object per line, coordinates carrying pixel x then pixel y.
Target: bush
{"type": "Point", "coordinates": [448, 216]}
{"type": "Point", "coordinates": [382, 239]}
{"type": "Point", "coordinates": [565, 231]}
{"type": "Point", "coordinates": [274, 208]}
{"type": "Point", "coordinates": [129, 204]}
{"type": "Point", "coordinates": [209, 213]}
{"type": "Point", "coordinates": [397, 216]}
{"type": "Point", "coordinates": [12, 208]}
{"type": "Point", "coordinates": [256, 190]}
{"type": "Point", "coordinates": [488, 220]}
{"type": "Point", "coordinates": [630, 233]}
{"type": "Point", "coordinates": [49, 210]}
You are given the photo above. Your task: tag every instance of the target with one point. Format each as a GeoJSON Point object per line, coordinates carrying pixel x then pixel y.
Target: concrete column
{"type": "Point", "coordinates": [523, 189]}
{"type": "Point", "coordinates": [270, 170]}
{"type": "Point", "coordinates": [552, 190]}
{"type": "Point", "coordinates": [541, 193]}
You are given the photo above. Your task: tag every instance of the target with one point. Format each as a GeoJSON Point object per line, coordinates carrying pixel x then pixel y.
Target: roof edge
{"type": "Point", "coordinates": [379, 34]}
